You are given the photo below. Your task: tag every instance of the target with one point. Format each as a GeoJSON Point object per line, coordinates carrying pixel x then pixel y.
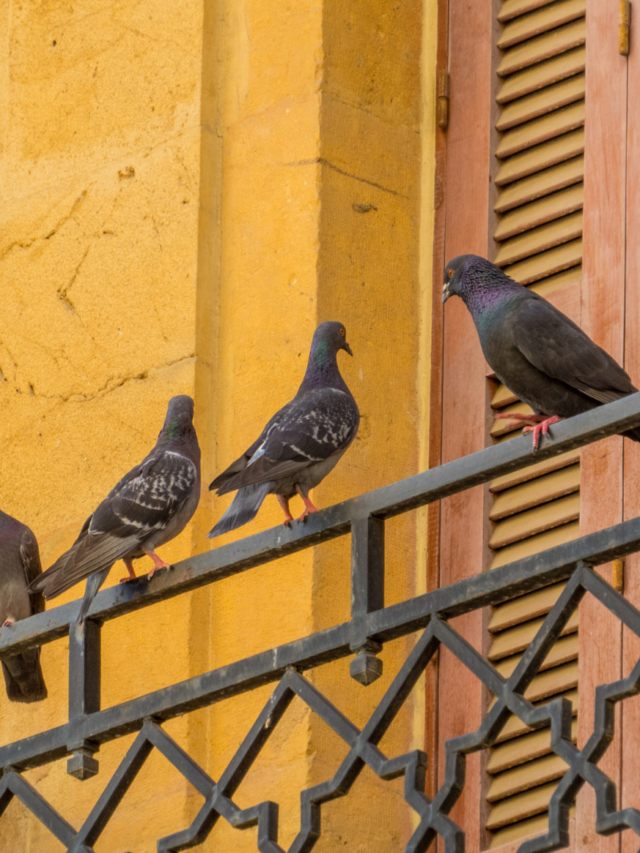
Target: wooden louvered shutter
{"type": "Point", "coordinates": [539, 207]}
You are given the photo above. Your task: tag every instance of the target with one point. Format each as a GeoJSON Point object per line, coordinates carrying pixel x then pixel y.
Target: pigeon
{"type": "Point", "coordinates": [541, 355]}
{"type": "Point", "coordinates": [19, 565]}
{"type": "Point", "coordinates": [300, 444]}
{"type": "Point", "coordinates": [151, 505]}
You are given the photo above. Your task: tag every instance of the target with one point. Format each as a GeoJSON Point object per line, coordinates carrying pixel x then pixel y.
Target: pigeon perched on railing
{"type": "Point", "coordinates": [541, 355]}
{"type": "Point", "coordinates": [151, 505]}
{"type": "Point", "coordinates": [19, 565]}
{"type": "Point", "coordinates": [300, 444]}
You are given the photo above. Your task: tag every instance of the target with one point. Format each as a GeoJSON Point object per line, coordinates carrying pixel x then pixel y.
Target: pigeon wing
{"type": "Point", "coordinates": [143, 502]}
{"type": "Point", "coordinates": [242, 461]}
{"type": "Point", "coordinates": [558, 347]}
{"type": "Point", "coordinates": [314, 427]}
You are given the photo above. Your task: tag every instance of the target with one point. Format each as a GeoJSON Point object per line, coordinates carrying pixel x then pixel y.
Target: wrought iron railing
{"type": "Point", "coordinates": [361, 638]}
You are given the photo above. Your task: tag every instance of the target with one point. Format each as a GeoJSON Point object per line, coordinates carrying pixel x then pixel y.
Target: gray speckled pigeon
{"type": "Point", "coordinates": [150, 506]}
{"type": "Point", "coordinates": [534, 349]}
{"type": "Point", "coordinates": [19, 565]}
{"type": "Point", "coordinates": [300, 444]}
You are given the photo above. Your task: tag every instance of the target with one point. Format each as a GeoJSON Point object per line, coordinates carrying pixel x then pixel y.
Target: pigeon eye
{"type": "Point", "coordinates": [342, 332]}
{"type": "Point", "coordinates": [449, 273]}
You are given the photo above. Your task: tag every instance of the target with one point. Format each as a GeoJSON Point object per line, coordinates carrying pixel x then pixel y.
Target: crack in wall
{"type": "Point", "coordinates": [108, 387]}
{"type": "Point", "coordinates": [64, 289]}
{"type": "Point", "coordinates": [26, 244]}
{"type": "Point", "coordinates": [324, 162]}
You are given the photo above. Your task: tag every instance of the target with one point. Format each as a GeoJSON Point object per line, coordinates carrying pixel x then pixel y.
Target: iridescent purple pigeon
{"type": "Point", "coordinates": [535, 350]}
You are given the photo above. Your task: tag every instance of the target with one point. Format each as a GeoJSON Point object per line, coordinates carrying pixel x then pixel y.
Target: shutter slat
{"type": "Point", "coordinates": [561, 281]}
{"type": "Point", "coordinates": [515, 728]}
{"type": "Point", "coordinates": [517, 639]}
{"type": "Point", "coordinates": [539, 212]}
{"type": "Point", "coordinates": [540, 130]}
{"type": "Point", "coordinates": [523, 749]}
{"type": "Point", "coordinates": [524, 607]}
{"type": "Point", "coordinates": [521, 806]}
{"type": "Point", "coordinates": [536, 520]}
{"type": "Point", "coordinates": [543, 47]}
{"type": "Point", "coordinates": [542, 74]}
{"type": "Point", "coordinates": [545, 488]}
{"type": "Point", "coordinates": [525, 829]}
{"type": "Point", "coordinates": [542, 102]}
{"type": "Point", "coordinates": [513, 8]}
{"type": "Point", "coordinates": [535, 544]}
{"type": "Point", "coordinates": [550, 17]}
{"type": "Point", "coordinates": [539, 239]}
{"type": "Point", "coordinates": [519, 831]}
{"type": "Point", "coordinates": [502, 397]}
{"type": "Point", "coordinates": [540, 184]}
{"type": "Point", "coordinates": [539, 469]}
{"type": "Point", "coordinates": [546, 263]}
{"type": "Point", "coordinates": [541, 157]}
{"type": "Point", "coordinates": [536, 772]}
{"type": "Point", "coordinates": [565, 650]}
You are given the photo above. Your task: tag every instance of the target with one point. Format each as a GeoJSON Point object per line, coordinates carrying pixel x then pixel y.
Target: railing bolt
{"type": "Point", "coordinates": [366, 668]}
{"type": "Point", "coordinates": [82, 764]}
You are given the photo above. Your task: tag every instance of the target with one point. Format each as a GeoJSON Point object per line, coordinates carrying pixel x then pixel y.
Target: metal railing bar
{"type": "Point", "coordinates": [332, 644]}
{"type": "Point", "coordinates": [526, 575]}
{"type": "Point", "coordinates": [385, 502]}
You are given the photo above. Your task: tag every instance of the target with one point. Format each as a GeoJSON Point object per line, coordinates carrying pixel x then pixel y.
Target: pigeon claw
{"type": "Point", "coordinates": [284, 503]}
{"type": "Point", "coordinates": [155, 569]}
{"type": "Point", "coordinates": [541, 429]}
{"type": "Point", "coordinates": [517, 418]}
{"type": "Point", "coordinates": [8, 623]}
{"type": "Point", "coordinates": [132, 575]}
{"type": "Point", "coordinates": [158, 563]}
{"type": "Point", "coordinates": [308, 505]}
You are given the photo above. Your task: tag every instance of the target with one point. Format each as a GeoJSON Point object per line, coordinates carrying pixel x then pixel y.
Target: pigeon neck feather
{"type": "Point", "coordinates": [482, 297]}
{"type": "Point", "coordinates": [322, 368]}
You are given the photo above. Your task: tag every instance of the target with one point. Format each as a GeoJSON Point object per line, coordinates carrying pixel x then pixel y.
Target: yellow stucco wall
{"type": "Point", "coordinates": [186, 195]}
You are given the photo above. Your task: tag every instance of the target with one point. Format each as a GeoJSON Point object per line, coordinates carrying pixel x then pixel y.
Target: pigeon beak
{"type": "Point", "coordinates": [446, 293]}
{"type": "Point", "coordinates": [347, 348]}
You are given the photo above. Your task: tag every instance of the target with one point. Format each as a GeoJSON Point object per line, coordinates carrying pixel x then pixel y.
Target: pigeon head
{"type": "Point", "coordinates": [322, 368]}
{"type": "Point", "coordinates": [179, 420]}
{"type": "Point", "coordinates": [475, 280]}
{"type": "Point", "coordinates": [328, 339]}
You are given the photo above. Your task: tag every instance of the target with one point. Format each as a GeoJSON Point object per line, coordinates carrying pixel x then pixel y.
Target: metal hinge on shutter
{"type": "Point", "coordinates": [443, 99]}
{"type": "Point", "coordinates": [625, 27]}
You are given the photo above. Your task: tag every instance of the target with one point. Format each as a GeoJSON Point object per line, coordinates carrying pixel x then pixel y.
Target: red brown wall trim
{"type": "Point", "coordinates": [463, 393]}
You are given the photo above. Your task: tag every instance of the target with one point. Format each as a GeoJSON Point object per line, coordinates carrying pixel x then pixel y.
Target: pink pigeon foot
{"type": "Point", "coordinates": [308, 506]}
{"type": "Point", "coordinates": [284, 503]}
{"type": "Point", "coordinates": [158, 563]}
{"type": "Point", "coordinates": [520, 417]}
{"type": "Point", "coordinates": [8, 622]}
{"type": "Point", "coordinates": [132, 575]}
{"type": "Point", "coordinates": [541, 429]}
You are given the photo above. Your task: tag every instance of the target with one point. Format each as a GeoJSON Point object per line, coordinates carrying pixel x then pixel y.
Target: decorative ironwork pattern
{"type": "Point", "coordinates": [370, 626]}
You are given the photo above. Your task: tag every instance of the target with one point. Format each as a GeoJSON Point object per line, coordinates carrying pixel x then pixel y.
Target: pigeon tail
{"type": "Point", "coordinates": [23, 677]}
{"type": "Point", "coordinates": [243, 508]}
{"type": "Point", "coordinates": [94, 582]}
